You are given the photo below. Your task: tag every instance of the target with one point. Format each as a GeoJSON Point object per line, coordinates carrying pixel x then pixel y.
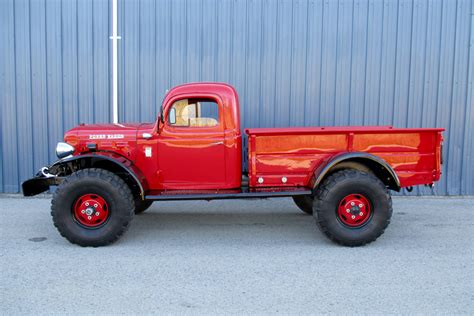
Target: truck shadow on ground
{"type": "Point", "coordinates": [214, 226]}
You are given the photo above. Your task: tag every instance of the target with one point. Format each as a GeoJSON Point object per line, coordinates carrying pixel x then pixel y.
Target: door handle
{"type": "Point", "coordinates": [217, 143]}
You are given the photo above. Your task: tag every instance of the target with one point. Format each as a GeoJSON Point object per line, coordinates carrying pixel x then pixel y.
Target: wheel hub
{"type": "Point", "coordinates": [354, 210]}
{"type": "Point", "coordinates": [91, 210]}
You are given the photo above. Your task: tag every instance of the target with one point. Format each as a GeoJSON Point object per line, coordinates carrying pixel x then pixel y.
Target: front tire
{"type": "Point", "coordinates": [352, 207]}
{"type": "Point", "coordinates": [92, 207]}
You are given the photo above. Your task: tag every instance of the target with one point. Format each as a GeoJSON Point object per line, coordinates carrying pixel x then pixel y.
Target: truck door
{"type": "Point", "coordinates": [191, 151]}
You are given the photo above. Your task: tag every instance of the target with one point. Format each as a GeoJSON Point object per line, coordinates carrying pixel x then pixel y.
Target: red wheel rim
{"type": "Point", "coordinates": [91, 210]}
{"type": "Point", "coordinates": [354, 210]}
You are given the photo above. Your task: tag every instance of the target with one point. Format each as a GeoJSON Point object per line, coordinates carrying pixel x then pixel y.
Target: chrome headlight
{"type": "Point", "coordinates": [63, 150]}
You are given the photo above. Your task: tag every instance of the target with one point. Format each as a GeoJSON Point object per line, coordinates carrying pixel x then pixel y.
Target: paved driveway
{"type": "Point", "coordinates": [239, 257]}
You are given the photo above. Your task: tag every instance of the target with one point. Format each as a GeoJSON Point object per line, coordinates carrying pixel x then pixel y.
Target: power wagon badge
{"type": "Point", "coordinates": [109, 136]}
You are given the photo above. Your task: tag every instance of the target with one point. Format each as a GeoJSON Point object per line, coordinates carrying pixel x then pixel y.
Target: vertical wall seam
{"type": "Point", "coordinates": [380, 64]}
{"type": "Point", "coordinates": [336, 66]}
{"type": "Point", "coordinates": [262, 39]}
{"type": "Point", "coordinates": [396, 62]}
{"type": "Point", "coordinates": [409, 68]}
{"type": "Point", "coordinates": [16, 92]}
{"type": "Point", "coordinates": [364, 105]}
{"type": "Point", "coordinates": [291, 63]}
{"type": "Point", "coordinates": [277, 55]}
{"type": "Point", "coordinates": [305, 96]}
{"type": "Point", "coordinates": [78, 76]}
{"type": "Point", "coordinates": [453, 68]}
{"type": "Point", "coordinates": [424, 66]}
{"type": "Point", "coordinates": [321, 61]}
{"type": "Point", "coordinates": [350, 65]}
{"type": "Point", "coordinates": [31, 88]}
{"type": "Point", "coordinates": [466, 101]}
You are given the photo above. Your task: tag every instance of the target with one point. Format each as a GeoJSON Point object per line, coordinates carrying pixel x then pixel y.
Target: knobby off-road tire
{"type": "Point", "coordinates": [305, 203]}
{"type": "Point", "coordinates": [141, 205]}
{"type": "Point", "coordinates": [334, 198]}
{"type": "Point", "coordinates": [85, 189]}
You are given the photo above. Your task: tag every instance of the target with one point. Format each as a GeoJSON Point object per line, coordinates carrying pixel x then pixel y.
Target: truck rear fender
{"type": "Point", "coordinates": [361, 161]}
{"type": "Point", "coordinates": [117, 164]}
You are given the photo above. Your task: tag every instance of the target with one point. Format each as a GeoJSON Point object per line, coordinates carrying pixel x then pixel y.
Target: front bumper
{"type": "Point", "coordinates": [40, 183]}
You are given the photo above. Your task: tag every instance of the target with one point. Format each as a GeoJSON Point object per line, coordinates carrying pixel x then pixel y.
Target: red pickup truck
{"type": "Point", "coordinates": [341, 175]}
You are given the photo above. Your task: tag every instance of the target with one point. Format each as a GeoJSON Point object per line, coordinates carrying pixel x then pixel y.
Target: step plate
{"type": "Point", "coordinates": [169, 195]}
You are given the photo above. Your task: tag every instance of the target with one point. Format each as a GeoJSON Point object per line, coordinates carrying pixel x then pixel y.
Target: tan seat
{"type": "Point", "coordinates": [202, 122]}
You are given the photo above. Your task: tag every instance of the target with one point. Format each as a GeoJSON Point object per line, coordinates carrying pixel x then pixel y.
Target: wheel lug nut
{"type": "Point", "coordinates": [95, 205]}
{"type": "Point", "coordinates": [348, 210]}
{"type": "Point", "coordinates": [353, 216]}
{"type": "Point", "coordinates": [83, 211]}
{"type": "Point", "coordinates": [361, 205]}
{"type": "Point", "coordinates": [361, 214]}
{"type": "Point", "coordinates": [87, 203]}
{"type": "Point", "coordinates": [352, 203]}
{"type": "Point", "coordinates": [96, 213]}
{"type": "Point", "coordinates": [89, 217]}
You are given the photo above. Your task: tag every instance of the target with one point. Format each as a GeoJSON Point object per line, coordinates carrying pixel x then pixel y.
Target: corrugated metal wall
{"type": "Point", "coordinates": [347, 62]}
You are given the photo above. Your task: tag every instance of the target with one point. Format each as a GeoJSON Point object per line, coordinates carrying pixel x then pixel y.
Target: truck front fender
{"type": "Point", "coordinates": [108, 161]}
{"type": "Point", "coordinates": [375, 164]}
{"type": "Point", "coordinates": [54, 174]}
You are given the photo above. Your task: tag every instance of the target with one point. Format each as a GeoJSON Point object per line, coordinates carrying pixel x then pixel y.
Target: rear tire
{"type": "Point", "coordinates": [305, 203]}
{"type": "Point", "coordinates": [141, 205]}
{"type": "Point", "coordinates": [92, 207]}
{"type": "Point", "coordinates": [352, 207]}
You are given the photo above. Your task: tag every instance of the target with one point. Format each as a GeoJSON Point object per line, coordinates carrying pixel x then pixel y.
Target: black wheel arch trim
{"type": "Point", "coordinates": [40, 183]}
{"type": "Point", "coordinates": [120, 161]}
{"type": "Point", "coordinates": [321, 172]}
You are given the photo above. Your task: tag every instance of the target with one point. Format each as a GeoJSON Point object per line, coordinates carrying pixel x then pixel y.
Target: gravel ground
{"type": "Point", "coordinates": [245, 257]}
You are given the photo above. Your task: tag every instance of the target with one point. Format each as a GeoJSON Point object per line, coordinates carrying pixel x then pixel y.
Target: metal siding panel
{"type": "Point", "coordinates": [388, 62]}
{"type": "Point", "coordinates": [283, 65]}
{"type": "Point", "coordinates": [178, 43]}
{"type": "Point", "coordinates": [328, 66]}
{"type": "Point", "coordinates": [239, 44]}
{"type": "Point", "coordinates": [344, 59]}
{"type": "Point", "coordinates": [85, 61]}
{"type": "Point", "coordinates": [267, 84]}
{"type": "Point", "coordinates": [40, 111]}
{"type": "Point", "coordinates": [298, 62]}
{"type": "Point", "coordinates": [23, 88]}
{"type": "Point", "coordinates": [130, 45]}
{"type": "Point", "coordinates": [313, 65]}
{"type": "Point", "coordinates": [70, 64]}
{"type": "Point", "coordinates": [8, 99]}
{"type": "Point", "coordinates": [209, 41]}
{"type": "Point", "coordinates": [194, 43]}
{"type": "Point", "coordinates": [359, 63]}
{"type": "Point", "coordinates": [403, 72]}
{"type": "Point", "coordinates": [101, 76]}
{"type": "Point", "coordinates": [251, 97]}
{"type": "Point", "coordinates": [163, 48]}
{"type": "Point", "coordinates": [53, 17]}
{"type": "Point", "coordinates": [374, 44]}
{"type": "Point", "coordinates": [458, 96]}
{"type": "Point", "coordinates": [467, 180]}
{"type": "Point", "coordinates": [304, 62]}
{"type": "Point", "coordinates": [147, 89]}
{"type": "Point", "coordinates": [224, 17]}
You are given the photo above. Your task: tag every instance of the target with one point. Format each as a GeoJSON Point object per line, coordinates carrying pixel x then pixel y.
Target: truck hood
{"type": "Point", "coordinates": [119, 138]}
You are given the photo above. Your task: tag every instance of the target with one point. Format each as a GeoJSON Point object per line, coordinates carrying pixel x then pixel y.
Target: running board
{"type": "Point", "coordinates": [174, 195]}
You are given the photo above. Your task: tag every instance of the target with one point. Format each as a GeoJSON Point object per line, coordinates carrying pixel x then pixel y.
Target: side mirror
{"type": "Point", "coordinates": [172, 116]}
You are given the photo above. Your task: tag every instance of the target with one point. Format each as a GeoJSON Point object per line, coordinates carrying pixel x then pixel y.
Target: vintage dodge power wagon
{"type": "Point", "coordinates": [342, 175]}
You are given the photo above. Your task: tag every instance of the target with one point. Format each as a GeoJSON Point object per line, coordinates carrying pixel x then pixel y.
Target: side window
{"type": "Point", "coordinates": [194, 113]}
